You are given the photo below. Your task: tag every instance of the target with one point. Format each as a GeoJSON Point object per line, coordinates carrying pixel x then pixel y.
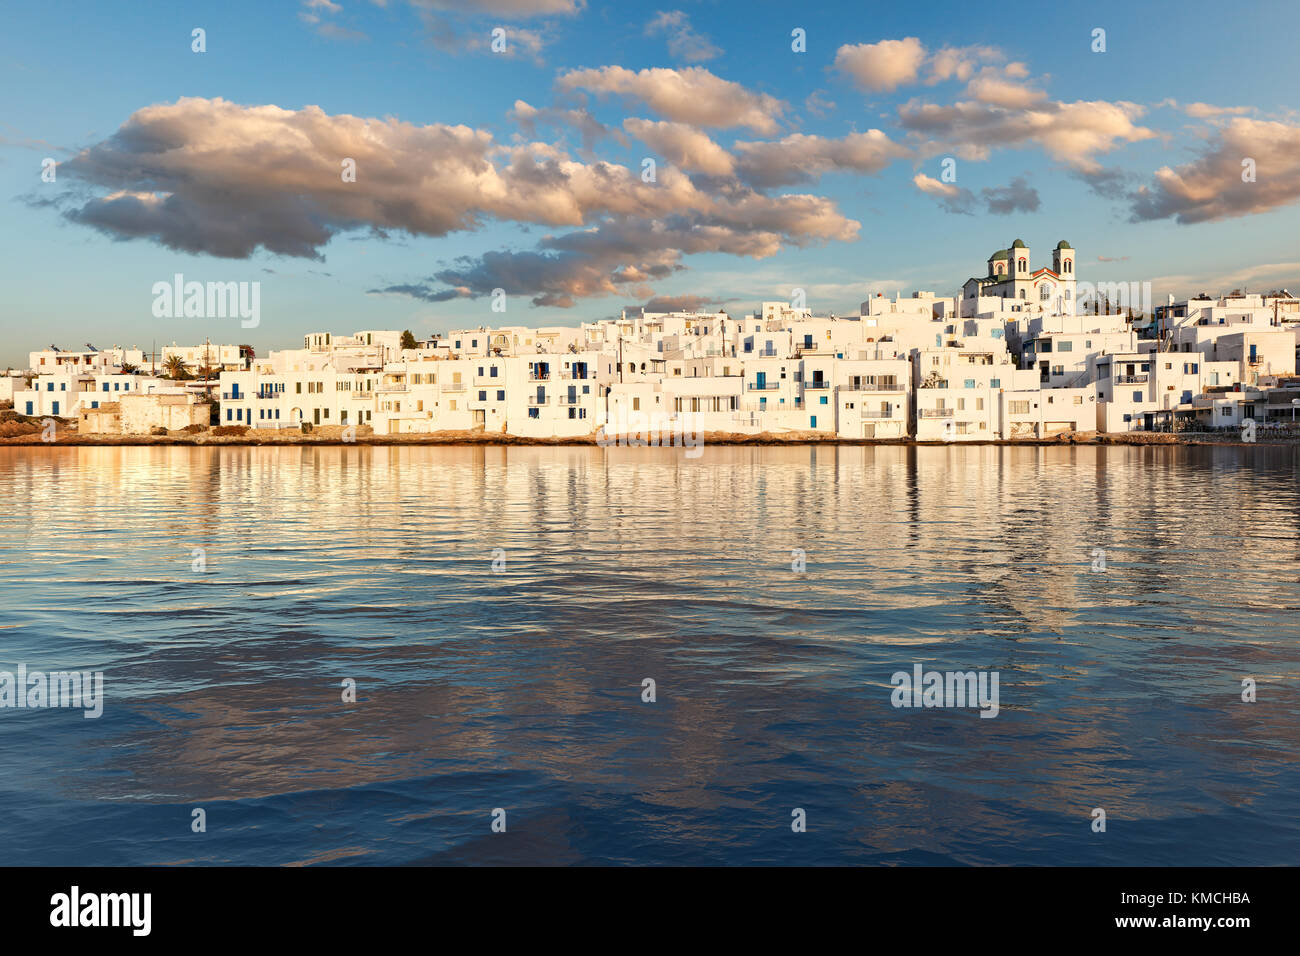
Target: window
{"type": "Point", "coordinates": [970, 383]}
{"type": "Point", "coordinates": [1018, 408]}
{"type": "Point", "coordinates": [823, 400]}
{"type": "Point", "coordinates": [501, 394]}
{"type": "Point", "coordinates": [1065, 346]}
{"type": "Point", "coordinates": [1137, 396]}
{"type": "Point", "coordinates": [995, 383]}
{"type": "Point", "coordinates": [482, 395]}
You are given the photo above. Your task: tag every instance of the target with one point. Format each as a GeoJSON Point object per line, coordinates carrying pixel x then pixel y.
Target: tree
{"type": "Point", "coordinates": [408, 340]}
{"type": "Point", "coordinates": [174, 368]}
{"type": "Point", "coordinates": [129, 369]}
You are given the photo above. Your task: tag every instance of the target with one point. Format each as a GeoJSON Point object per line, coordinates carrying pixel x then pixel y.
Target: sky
{"type": "Point", "coordinates": [585, 157]}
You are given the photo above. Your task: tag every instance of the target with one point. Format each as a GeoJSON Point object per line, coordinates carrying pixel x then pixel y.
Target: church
{"type": "Point", "coordinates": [1011, 276]}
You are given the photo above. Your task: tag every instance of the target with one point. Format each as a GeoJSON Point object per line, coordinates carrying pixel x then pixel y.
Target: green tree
{"type": "Point", "coordinates": [408, 340]}
{"type": "Point", "coordinates": [174, 368]}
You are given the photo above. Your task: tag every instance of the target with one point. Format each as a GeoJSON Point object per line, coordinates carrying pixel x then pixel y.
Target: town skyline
{"type": "Point", "coordinates": [523, 170]}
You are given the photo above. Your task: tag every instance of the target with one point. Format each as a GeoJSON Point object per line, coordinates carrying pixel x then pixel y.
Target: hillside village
{"type": "Point", "coordinates": [1023, 352]}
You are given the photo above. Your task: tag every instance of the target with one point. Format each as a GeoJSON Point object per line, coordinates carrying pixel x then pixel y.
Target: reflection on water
{"type": "Point", "coordinates": [521, 688]}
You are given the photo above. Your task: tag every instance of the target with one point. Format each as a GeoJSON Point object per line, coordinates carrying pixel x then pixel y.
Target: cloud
{"type": "Point", "coordinates": [217, 178]}
{"type": "Point", "coordinates": [689, 95]}
{"type": "Point", "coordinates": [591, 129]}
{"type": "Point", "coordinates": [1071, 132]}
{"type": "Point", "coordinates": [684, 43]}
{"type": "Point", "coordinates": [882, 66]}
{"type": "Point", "coordinates": [513, 9]}
{"type": "Point", "coordinates": [1210, 187]}
{"type": "Point", "coordinates": [802, 158]}
{"type": "Point", "coordinates": [1206, 111]}
{"type": "Point", "coordinates": [462, 26]}
{"type": "Point", "coordinates": [998, 87]}
{"type": "Point", "coordinates": [1018, 196]}
{"type": "Point", "coordinates": [818, 104]}
{"type": "Point", "coordinates": [311, 15]}
{"type": "Point", "coordinates": [949, 195]}
{"type": "Point", "coordinates": [885, 66]}
{"type": "Point", "coordinates": [683, 145]}
{"type": "Point", "coordinates": [619, 253]}
{"type": "Point", "coordinates": [680, 303]}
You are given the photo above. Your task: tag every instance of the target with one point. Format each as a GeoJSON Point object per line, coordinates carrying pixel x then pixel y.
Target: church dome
{"type": "Point", "coordinates": [1000, 254]}
{"type": "Point", "coordinates": [1064, 245]}
{"type": "Point", "coordinates": [1019, 244]}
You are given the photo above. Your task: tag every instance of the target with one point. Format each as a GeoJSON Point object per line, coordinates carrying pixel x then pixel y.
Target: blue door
{"type": "Point", "coordinates": [814, 421]}
{"type": "Point", "coordinates": [760, 380]}
{"type": "Point", "coordinates": [56, 408]}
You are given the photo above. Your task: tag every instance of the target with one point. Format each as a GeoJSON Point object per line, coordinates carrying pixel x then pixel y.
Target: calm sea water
{"type": "Point", "coordinates": [521, 688]}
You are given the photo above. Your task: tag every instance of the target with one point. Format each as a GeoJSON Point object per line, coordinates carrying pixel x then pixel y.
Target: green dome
{"type": "Point", "coordinates": [1000, 254]}
{"type": "Point", "coordinates": [1064, 245]}
{"type": "Point", "coordinates": [1019, 244]}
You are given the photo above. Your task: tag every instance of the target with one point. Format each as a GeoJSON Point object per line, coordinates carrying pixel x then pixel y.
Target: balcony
{"type": "Point", "coordinates": [539, 376]}
{"type": "Point", "coordinates": [817, 384]}
{"type": "Point", "coordinates": [536, 401]}
{"type": "Point", "coordinates": [454, 387]}
{"type": "Point", "coordinates": [391, 387]}
{"type": "Point", "coordinates": [569, 399]}
{"type": "Point", "coordinates": [934, 413]}
{"type": "Point", "coordinates": [876, 387]}
{"type": "Point", "coordinates": [874, 413]}
{"type": "Point", "coordinates": [762, 386]}
{"type": "Point", "coordinates": [1131, 379]}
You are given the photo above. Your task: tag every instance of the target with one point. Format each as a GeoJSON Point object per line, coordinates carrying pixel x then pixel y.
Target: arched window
{"type": "Point", "coordinates": [1067, 267]}
{"type": "Point", "coordinates": [999, 268]}
{"type": "Point", "coordinates": [1022, 293]}
{"type": "Point", "coordinates": [1022, 264]}
{"type": "Point", "coordinates": [1068, 295]}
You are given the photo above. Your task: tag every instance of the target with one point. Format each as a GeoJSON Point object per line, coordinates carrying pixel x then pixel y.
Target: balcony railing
{"type": "Point", "coordinates": [538, 400]}
{"type": "Point", "coordinates": [762, 386]}
{"type": "Point", "coordinates": [817, 384]}
{"type": "Point", "coordinates": [454, 387]}
{"type": "Point", "coordinates": [569, 399]}
{"type": "Point", "coordinates": [539, 376]}
{"type": "Point", "coordinates": [391, 387]}
{"type": "Point", "coordinates": [876, 387]}
{"type": "Point", "coordinates": [1131, 379]}
{"type": "Point", "coordinates": [935, 413]}
{"type": "Point", "coordinates": [875, 413]}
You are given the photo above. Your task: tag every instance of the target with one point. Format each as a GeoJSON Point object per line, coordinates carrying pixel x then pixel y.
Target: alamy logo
{"type": "Point", "coordinates": [212, 300]}
{"type": "Point", "coordinates": [654, 429]}
{"type": "Point", "coordinates": [56, 689]}
{"type": "Point", "coordinates": [74, 909]}
{"type": "Point", "coordinates": [946, 689]}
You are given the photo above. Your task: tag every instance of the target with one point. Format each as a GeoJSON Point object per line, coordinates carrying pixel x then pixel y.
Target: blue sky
{"type": "Point", "coordinates": [1051, 140]}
